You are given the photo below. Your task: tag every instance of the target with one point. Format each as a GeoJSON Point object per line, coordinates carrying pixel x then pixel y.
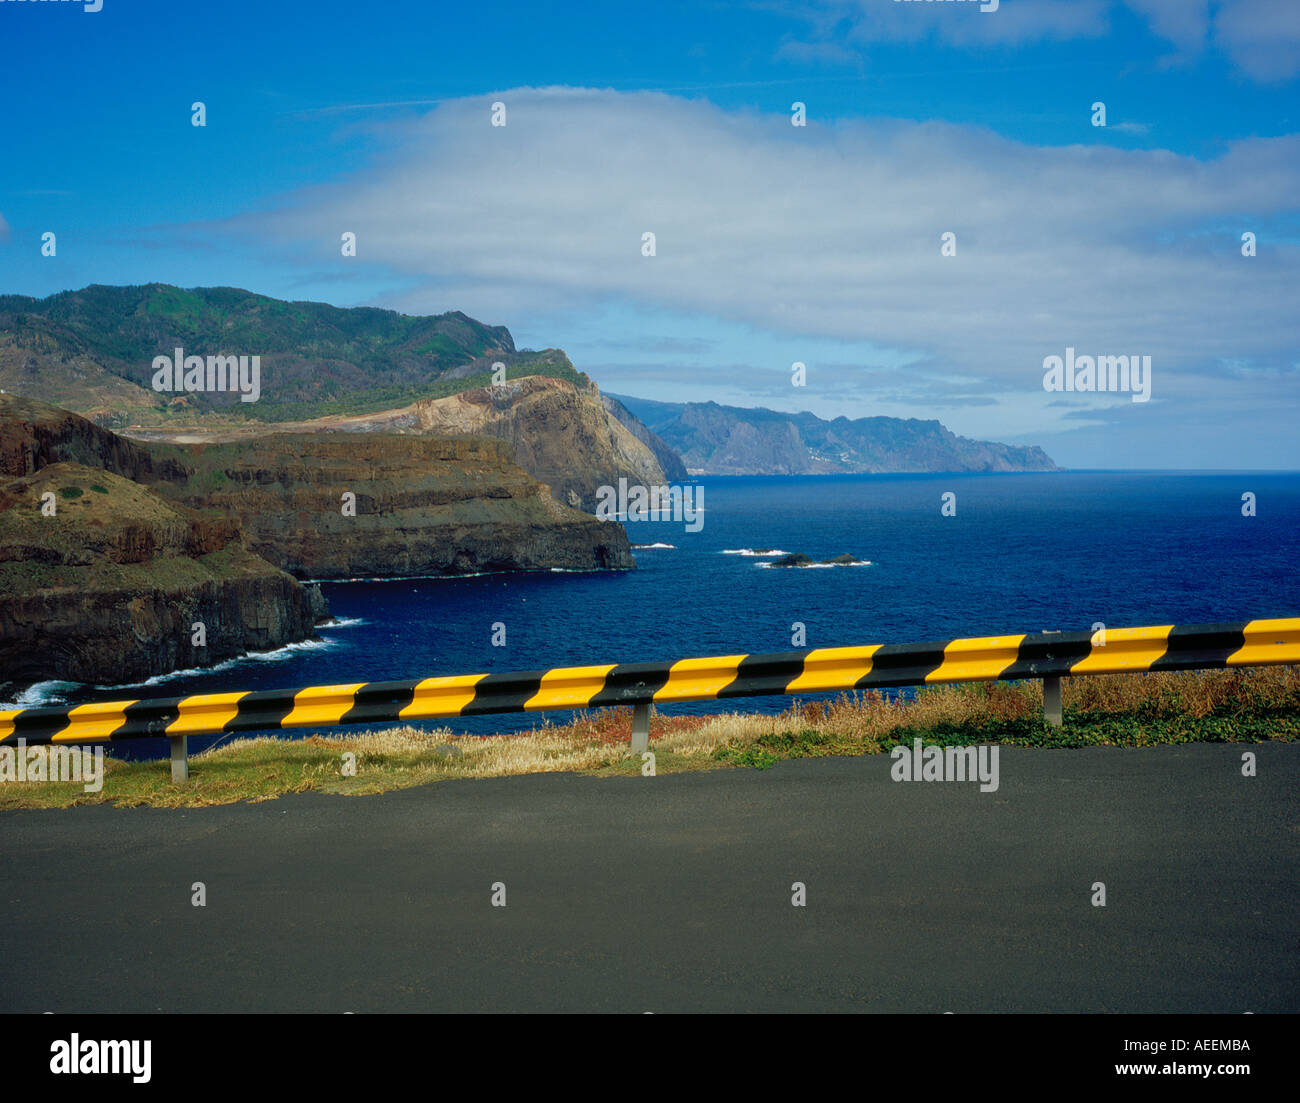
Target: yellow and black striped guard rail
{"type": "Point", "coordinates": [1048, 656]}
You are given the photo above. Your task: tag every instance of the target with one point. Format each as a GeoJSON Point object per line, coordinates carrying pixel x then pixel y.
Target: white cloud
{"type": "Point", "coordinates": [1184, 23]}
{"type": "Point", "coordinates": [960, 24]}
{"type": "Point", "coordinates": [828, 232]}
{"type": "Point", "coordinates": [1260, 37]}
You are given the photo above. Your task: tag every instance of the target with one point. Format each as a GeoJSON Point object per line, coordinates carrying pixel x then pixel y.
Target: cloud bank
{"type": "Point", "coordinates": [1260, 38]}
{"type": "Point", "coordinates": [830, 231]}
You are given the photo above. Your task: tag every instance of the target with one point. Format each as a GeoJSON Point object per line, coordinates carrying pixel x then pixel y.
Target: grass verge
{"type": "Point", "coordinates": [1135, 710]}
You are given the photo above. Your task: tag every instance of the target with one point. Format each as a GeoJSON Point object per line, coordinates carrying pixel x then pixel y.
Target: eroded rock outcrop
{"type": "Point", "coordinates": [419, 505]}
{"type": "Point", "coordinates": [102, 581]}
{"type": "Point", "coordinates": [561, 433]}
{"type": "Point", "coordinates": [144, 541]}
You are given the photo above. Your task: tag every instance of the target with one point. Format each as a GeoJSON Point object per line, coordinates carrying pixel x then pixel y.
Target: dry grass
{"type": "Point", "coordinates": [1134, 709]}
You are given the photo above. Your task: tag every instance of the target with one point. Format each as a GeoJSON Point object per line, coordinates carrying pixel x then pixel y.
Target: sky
{"type": "Point", "coordinates": [774, 244]}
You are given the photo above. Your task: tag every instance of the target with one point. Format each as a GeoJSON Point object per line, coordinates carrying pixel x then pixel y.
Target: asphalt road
{"type": "Point", "coordinates": [673, 893]}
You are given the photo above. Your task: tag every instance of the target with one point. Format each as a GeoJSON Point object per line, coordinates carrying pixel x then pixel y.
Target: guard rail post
{"type": "Point", "coordinates": [1052, 690]}
{"type": "Point", "coordinates": [640, 728]}
{"type": "Point", "coordinates": [180, 758]}
{"type": "Point", "coordinates": [1052, 700]}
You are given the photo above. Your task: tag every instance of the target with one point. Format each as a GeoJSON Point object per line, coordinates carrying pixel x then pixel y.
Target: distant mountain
{"type": "Point", "coordinates": [92, 351]}
{"type": "Point", "coordinates": [730, 440]}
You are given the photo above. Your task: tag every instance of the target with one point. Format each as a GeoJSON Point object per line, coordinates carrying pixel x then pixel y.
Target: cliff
{"type": "Point", "coordinates": [560, 432]}
{"type": "Point", "coordinates": [668, 458]}
{"type": "Point", "coordinates": [422, 506]}
{"type": "Point", "coordinates": [35, 434]}
{"type": "Point", "coordinates": [108, 588]}
{"type": "Point", "coordinates": [730, 440]}
{"type": "Point", "coordinates": [146, 540]}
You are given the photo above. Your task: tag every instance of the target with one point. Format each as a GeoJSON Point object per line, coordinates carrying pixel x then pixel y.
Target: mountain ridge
{"type": "Point", "coordinates": [713, 439]}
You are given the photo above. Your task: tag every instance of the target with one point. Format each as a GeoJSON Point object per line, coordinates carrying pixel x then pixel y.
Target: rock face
{"type": "Point", "coordinates": [668, 459]}
{"type": "Point", "coordinates": [559, 432]}
{"type": "Point", "coordinates": [730, 440]}
{"type": "Point", "coordinates": [109, 588]}
{"type": "Point", "coordinates": [34, 435]}
{"type": "Point", "coordinates": [145, 541]}
{"type": "Point", "coordinates": [423, 506]}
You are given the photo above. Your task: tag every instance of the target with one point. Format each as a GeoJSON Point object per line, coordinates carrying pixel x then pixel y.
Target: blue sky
{"type": "Point", "coordinates": [774, 243]}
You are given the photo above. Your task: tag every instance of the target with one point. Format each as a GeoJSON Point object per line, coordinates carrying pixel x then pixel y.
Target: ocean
{"type": "Point", "coordinates": [1022, 553]}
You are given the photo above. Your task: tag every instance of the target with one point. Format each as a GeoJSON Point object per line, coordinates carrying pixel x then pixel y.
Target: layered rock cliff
{"type": "Point", "coordinates": [143, 542]}
{"type": "Point", "coordinates": [563, 433]}
{"type": "Point", "coordinates": [419, 505]}
{"type": "Point", "coordinates": [102, 581]}
{"type": "Point", "coordinates": [559, 432]}
{"type": "Point", "coordinates": [35, 434]}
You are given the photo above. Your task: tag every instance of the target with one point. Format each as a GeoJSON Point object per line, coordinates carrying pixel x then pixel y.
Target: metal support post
{"type": "Point", "coordinates": [180, 758]}
{"type": "Point", "coordinates": [640, 728]}
{"type": "Point", "coordinates": [1052, 700]}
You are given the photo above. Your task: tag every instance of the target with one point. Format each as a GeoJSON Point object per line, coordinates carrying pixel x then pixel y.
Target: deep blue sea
{"type": "Point", "coordinates": [1024, 552]}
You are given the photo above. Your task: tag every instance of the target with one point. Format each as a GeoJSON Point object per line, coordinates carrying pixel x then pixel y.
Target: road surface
{"type": "Point", "coordinates": [673, 893]}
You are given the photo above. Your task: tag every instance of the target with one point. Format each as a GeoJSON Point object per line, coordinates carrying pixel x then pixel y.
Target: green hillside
{"type": "Point", "coordinates": [93, 351]}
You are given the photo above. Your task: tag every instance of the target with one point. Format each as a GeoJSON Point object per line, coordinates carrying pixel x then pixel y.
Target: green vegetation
{"type": "Point", "coordinates": [1138, 710]}
{"type": "Point", "coordinates": [1080, 729]}
{"type": "Point", "coordinates": [39, 553]}
{"type": "Point", "coordinates": [316, 359]}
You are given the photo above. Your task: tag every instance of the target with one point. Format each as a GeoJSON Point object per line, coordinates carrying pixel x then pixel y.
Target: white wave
{"type": "Point", "coordinates": [278, 655]}
{"type": "Point", "coordinates": [54, 693]}
{"type": "Point", "coordinates": [642, 547]}
{"type": "Point", "coordinates": [343, 622]}
{"type": "Point", "coordinates": [40, 695]}
{"type": "Point", "coordinates": [751, 552]}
